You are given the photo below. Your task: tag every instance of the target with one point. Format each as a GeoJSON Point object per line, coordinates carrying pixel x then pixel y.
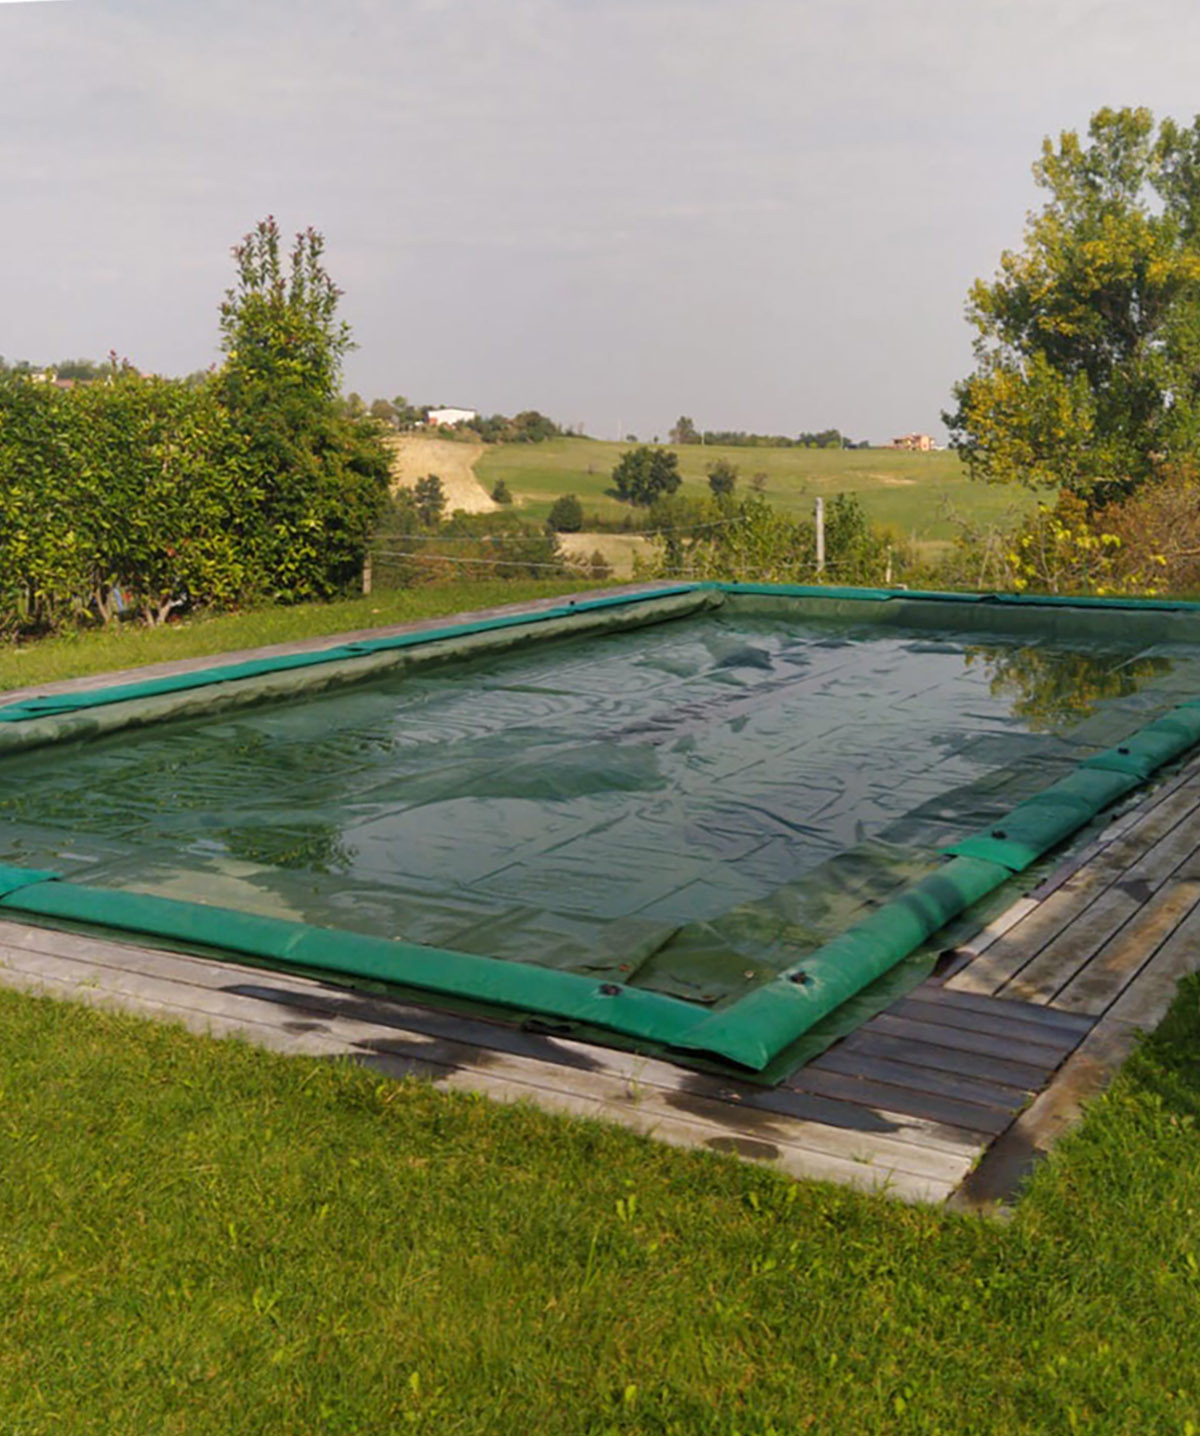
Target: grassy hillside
{"type": "Point", "coordinates": [916, 494]}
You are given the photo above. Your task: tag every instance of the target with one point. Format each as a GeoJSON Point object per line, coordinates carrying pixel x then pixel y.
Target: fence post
{"type": "Point", "coordinates": [366, 582]}
{"type": "Point", "coordinates": [819, 522]}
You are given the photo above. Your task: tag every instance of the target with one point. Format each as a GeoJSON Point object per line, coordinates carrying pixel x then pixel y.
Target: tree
{"type": "Point", "coordinates": [644, 474]}
{"type": "Point", "coordinates": [566, 515]}
{"type": "Point", "coordinates": [407, 416]}
{"type": "Point", "coordinates": [1088, 339]}
{"type": "Point", "coordinates": [279, 322]}
{"type": "Point", "coordinates": [321, 473]}
{"type": "Point", "coordinates": [501, 494]}
{"type": "Point", "coordinates": [430, 499]}
{"type": "Point", "coordinates": [530, 427]}
{"type": "Point", "coordinates": [722, 477]}
{"type": "Point", "coordinates": [684, 431]}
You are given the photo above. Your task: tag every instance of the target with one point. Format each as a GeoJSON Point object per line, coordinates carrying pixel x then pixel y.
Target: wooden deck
{"type": "Point", "coordinates": [949, 1096]}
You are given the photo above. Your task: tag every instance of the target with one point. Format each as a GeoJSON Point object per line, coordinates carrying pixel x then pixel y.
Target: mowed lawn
{"type": "Point", "coordinates": [202, 1238]}
{"type": "Point", "coordinates": [917, 496]}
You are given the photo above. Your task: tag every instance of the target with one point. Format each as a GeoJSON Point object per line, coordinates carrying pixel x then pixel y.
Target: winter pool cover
{"type": "Point", "coordinates": [698, 819]}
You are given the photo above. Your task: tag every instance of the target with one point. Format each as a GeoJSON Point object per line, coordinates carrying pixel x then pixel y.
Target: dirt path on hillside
{"type": "Point", "coordinates": [415, 455]}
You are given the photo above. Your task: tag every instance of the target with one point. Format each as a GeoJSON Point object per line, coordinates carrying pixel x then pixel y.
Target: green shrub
{"type": "Point", "coordinates": [566, 516]}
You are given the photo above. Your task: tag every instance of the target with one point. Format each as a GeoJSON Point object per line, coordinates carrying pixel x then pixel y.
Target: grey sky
{"type": "Point", "coordinates": [763, 214]}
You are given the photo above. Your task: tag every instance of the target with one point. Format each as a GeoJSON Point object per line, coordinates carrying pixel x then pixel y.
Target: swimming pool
{"type": "Point", "coordinates": [697, 817]}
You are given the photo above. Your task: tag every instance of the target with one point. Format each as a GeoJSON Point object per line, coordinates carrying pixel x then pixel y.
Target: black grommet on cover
{"type": "Point", "coordinates": [609, 989]}
{"type": "Point", "coordinates": [999, 833]}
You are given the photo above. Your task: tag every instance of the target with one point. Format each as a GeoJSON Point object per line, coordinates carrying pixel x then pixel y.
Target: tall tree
{"type": "Point", "coordinates": [1088, 338]}
{"type": "Point", "coordinates": [279, 323]}
{"type": "Point", "coordinates": [321, 472]}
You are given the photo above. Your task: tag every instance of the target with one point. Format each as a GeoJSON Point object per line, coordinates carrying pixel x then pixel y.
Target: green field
{"type": "Point", "coordinates": [916, 495]}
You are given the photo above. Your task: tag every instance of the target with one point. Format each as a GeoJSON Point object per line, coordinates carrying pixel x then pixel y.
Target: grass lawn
{"type": "Point", "coordinates": [200, 1237]}
{"type": "Point", "coordinates": [130, 645]}
{"type": "Point", "coordinates": [914, 494]}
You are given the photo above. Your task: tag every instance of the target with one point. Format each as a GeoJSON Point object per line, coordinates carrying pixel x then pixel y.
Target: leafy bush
{"type": "Point", "coordinates": [566, 515]}
{"type": "Point", "coordinates": [496, 545]}
{"type": "Point", "coordinates": [644, 474]}
{"type": "Point", "coordinates": [722, 478]}
{"type": "Point", "coordinates": [753, 542]}
{"type": "Point", "coordinates": [500, 493]}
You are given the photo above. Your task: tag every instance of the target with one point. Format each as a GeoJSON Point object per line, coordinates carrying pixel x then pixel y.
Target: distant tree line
{"type": "Point", "coordinates": [527, 427]}
{"type": "Point", "coordinates": [146, 495]}
{"type": "Point", "coordinates": [684, 431]}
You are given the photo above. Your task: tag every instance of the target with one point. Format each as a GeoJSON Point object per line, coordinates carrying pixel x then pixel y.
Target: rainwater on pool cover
{"type": "Point", "coordinates": [687, 807]}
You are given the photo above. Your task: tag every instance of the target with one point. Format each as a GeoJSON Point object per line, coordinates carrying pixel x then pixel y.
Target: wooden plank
{"type": "Point", "coordinates": [1031, 1076]}
{"type": "Point", "coordinates": [886, 1145]}
{"type": "Point", "coordinates": [264, 1034]}
{"type": "Point", "coordinates": [993, 1022]}
{"type": "Point", "coordinates": [1155, 864]}
{"type": "Point", "coordinates": [1021, 943]}
{"type": "Point", "coordinates": [679, 1132]}
{"type": "Point", "coordinates": [1152, 821]}
{"type": "Point", "coordinates": [981, 1123]}
{"type": "Point", "coordinates": [922, 1080]}
{"type": "Point", "coordinates": [1173, 840]}
{"type": "Point", "coordinates": [1051, 1017]}
{"type": "Point", "coordinates": [1063, 957]}
{"type": "Point", "coordinates": [1116, 963]}
{"type": "Point", "coordinates": [926, 1035]}
{"type": "Point", "coordinates": [1144, 1002]}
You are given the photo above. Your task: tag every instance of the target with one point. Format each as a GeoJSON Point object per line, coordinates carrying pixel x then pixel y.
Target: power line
{"type": "Point", "coordinates": [621, 533]}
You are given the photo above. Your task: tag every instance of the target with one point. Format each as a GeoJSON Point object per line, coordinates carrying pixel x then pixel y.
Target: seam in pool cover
{"type": "Point", "coordinates": [12, 879]}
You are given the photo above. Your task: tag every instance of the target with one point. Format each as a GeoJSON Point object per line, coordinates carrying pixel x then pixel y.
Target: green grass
{"type": "Point", "coordinates": [914, 494]}
{"type": "Point", "coordinates": [200, 1237]}
{"type": "Point", "coordinates": [130, 645]}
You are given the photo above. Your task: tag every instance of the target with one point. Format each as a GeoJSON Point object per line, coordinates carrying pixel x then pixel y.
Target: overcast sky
{"type": "Point", "coordinates": [764, 214]}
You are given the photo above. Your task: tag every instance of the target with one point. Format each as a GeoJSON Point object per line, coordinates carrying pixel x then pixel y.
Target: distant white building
{"type": "Point", "coordinates": [914, 443]}
{"type": "Point", "coordinates": [447, 418]}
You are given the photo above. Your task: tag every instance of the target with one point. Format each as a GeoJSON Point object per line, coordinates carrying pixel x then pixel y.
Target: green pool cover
{"type": "Point", "coordinates": [698, 819]}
